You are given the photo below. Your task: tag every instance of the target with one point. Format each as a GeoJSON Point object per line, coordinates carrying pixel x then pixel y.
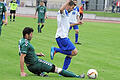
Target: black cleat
{"type": "Point", "coordinates": [42, 74]}
{"type": "Point", "coordinates": [78, 43]}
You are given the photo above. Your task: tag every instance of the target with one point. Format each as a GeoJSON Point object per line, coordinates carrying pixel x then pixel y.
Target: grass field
{"type": "Point", "coordinates": [98, 13]}
{"type": "Point", "coordinates": [100, 49]}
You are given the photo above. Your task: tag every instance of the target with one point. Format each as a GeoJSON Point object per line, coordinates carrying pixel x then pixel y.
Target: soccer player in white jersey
{"type": "Point", "coordinates": [66, 47]}
{"type": "Point", "coordinates": [74, 18]}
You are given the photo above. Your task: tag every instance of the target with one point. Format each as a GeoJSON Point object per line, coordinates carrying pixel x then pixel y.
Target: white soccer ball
{"type": "Point", "coordinates": [92, 74]}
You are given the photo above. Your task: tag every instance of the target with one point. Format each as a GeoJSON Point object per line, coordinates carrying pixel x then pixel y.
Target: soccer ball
{"type": "Point", "coordinates": [92, 74]}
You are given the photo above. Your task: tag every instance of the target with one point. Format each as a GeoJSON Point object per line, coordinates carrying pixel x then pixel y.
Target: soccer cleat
{"type": "Point", "coordinates": [42, 74]}
{"type": "Point", "coordinates": [52, 53]}
{"type": "Point", "coordinates": [82, 76]}
{"type": "Point", "coordinates": [78, 43]}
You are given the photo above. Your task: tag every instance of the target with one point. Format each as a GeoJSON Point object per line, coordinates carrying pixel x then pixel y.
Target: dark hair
{"type": "Point", "coordinates": [71, 3]}
{"type": "Point", "coordinates": [27, 30]}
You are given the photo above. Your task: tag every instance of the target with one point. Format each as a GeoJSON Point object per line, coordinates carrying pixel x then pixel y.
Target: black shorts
{"type": "Point", "coordinates": [12, 11]}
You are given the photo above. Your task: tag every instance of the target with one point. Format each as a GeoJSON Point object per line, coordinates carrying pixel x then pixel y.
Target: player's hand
{"type": "Point", "coordinates": [79, 23]}
{"type": "Point", "coordinates": [45, 18]}
{"type": "Point", "coordinates": [40, 54]}
{"type": "Point", "coordinates": [23, 74]}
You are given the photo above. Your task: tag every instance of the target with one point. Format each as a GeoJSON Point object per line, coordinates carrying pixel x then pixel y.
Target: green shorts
{"type": "Point", "coordinates": [41, 20]}
{"type": "Point", "coordinates": [41, 66]}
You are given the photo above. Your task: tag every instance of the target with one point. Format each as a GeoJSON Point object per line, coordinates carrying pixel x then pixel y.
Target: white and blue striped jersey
{"type": "Point", "coordinates": [63, 24]}
{"type": "Point", "coordinates": [74, 14]}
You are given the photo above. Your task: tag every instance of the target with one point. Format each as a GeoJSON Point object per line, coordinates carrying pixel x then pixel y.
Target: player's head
{"type": "Point", "coordinates": [41, 2]}
{"type": "Point", "coordinates": [70, 6]}
{"type": "Point", "coordinates": [27, 33]}
{"type": "Point", "coordinates": [75, 1]}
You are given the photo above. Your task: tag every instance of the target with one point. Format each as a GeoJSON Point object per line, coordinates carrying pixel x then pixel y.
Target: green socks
{"type": "Point", "coordinates": [66, 73]}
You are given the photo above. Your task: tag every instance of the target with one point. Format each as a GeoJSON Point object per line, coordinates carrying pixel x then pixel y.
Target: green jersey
{"type": "Point", "coordinates": [13, 5]}
{"type": "Point", "coordinates": [2, 10]}
{"type": "Point", "coordinates": [25, 47]}
{"type": "Point", "coordinates": [41, 11]}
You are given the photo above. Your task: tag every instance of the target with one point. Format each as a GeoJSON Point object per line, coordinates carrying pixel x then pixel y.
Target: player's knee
{"type": "Point", "coordinates": [75, 52]}
{"type": "Point", "coordinates": [77, 31]}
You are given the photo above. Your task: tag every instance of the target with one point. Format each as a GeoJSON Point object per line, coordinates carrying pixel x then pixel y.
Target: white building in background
{"type": "Point", "coordinates": [28, 2]}
{"type": "Point", "coordinates": [97, 5]}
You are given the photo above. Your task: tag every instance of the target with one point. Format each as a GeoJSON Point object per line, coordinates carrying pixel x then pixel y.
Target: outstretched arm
{"type": "Point", "coordinates": [78, 23]}
{"type": "Point", "coordinates": [64, 6]}
{"type": "Point", "coordinates": [22, 65]}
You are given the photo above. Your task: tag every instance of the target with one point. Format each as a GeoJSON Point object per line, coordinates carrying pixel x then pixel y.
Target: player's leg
{"type": "Point", "coordinates": [67, 62]}
{"type": "Point", "coordinates": [81, 16]}
{"type": "Point", "coordinates": [38, 27]}
{"type": "Point", "coordinates": [42, 22]}
{"type": "Point", "coordinates": [44, 66]}
{"type": "Point", "coordinates": [0, 29]}
{"type": "Point", "coordinates": [10, 15]}
{"type": "Point", "coordinates": [66, 73]}
{"type": "Point", "coordinates": [76, 28]}
{"type": "Point", "coordinates": [68, 58]}
{"type": "Point", "coordinates": [65, 47]}
{"type": "Point", "coordinates": [14, 15]}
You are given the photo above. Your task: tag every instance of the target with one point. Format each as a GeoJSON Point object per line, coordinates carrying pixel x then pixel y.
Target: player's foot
{"type": "Point", "coordinates": [78, 43]}
{"type": "Point", "coordinates": [52, 53]}
{"type": "Point", "coordinates": [40, 30]}
{"type": "Point", "coordinates": [82, 76]}
{"type": "Point", "coordinates": [13, 20]}
{"type": "Point", "coordinates": [43, 74]}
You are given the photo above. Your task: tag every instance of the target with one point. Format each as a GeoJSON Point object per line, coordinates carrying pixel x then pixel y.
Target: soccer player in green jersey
{"type": "Point", "coordinates": [33, 63]}
{"type": "Point", "coordinates": [41, 15]}
{"type": "Point", "coordinates": [2, 10]}
{"type": "Point", "coordinates": [13, 7]}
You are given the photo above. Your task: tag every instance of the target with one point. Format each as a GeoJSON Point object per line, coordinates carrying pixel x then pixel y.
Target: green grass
{"type": "Point", "coordinates": [103, 14]}
{"type": "Point", "coordinates": [100, 49]}
{"type": "Point", "coordinates": [98, 13]}
{"type": "Point", "coordinates": [52, 9]}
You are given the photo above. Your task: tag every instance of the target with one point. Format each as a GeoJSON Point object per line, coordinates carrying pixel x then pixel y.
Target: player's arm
{"type": "Point", "coordinates": [36, 12]}
{"type": "Point", "coordinates": [5, 18]}
{"type": "Point", "coordinates": [78, 23]}
{"type": "Point", "coordinates": [64, 6]}
{"type": "Point", "coordinates": [40, 54]}
{"type": "Point", "coordinates": [5, 12]}
{"type": "Point", "coordinates": [78, 14]}
{"type": "Point", "coordinates": [22, 64]}
{"type": "Point", "coordinates": [45, 13]}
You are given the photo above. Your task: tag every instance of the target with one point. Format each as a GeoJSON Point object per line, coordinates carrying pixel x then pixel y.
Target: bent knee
{"type": "Point", "coordinates": [77, 31]}
{"type": "Point", "coordinates": [75, 53]}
